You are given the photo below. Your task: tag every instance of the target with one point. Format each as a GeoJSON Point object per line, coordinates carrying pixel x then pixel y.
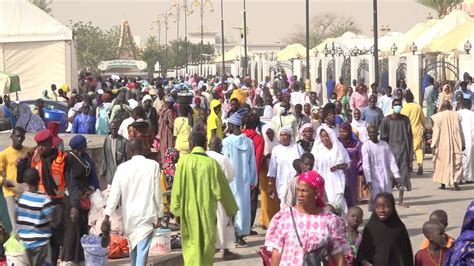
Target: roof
{"type": "Point", "coordinates": [22, 21]}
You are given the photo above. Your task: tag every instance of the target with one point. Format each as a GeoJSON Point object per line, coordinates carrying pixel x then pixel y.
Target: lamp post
{"type": "Point", "coordinates": [164, 18]}
{"type": "Point", "coordinates": [467, 47]}
{"type": "Point", "coordinates": [177, 7]}
{"type": "Point", "coordinates": [394, 48]}
{"type": "Point", "coordinates": [222, 38]}
{"type": "Point", "coordinates": [201, 4]}
{"type": "Point", "coordinates": [158, 23]}
{"type": "Point", "coordinates": [245, 43]}
{"type": "Point", "coordinates": [413, 48]}
{"type": "Point", "coordinates": [376, 43]}
{"type": "Point", "coordinates": [307, 40]}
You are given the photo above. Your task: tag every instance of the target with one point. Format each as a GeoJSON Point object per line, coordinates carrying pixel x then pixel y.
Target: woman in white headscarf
{"type": "Point", "coordinates": [331, 160]}
{"type": "Point", "coordinates": [270, 206]}
{"type": "Point", "coordinates": [281, 168]}
{"type": "Point", "coordinates": [359, 126]}
{"type": "Point", "coordinates": [27, 120]}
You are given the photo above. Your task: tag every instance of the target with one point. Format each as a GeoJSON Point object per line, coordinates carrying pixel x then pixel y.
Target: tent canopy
{"type": "Point", "coordinates": [292, 51]}
{"type": "Point", "coordinates": [453, 41]}
{"type": "Point", "coordinates": [449, 23]}
{"type": "Point", "coordinates": [38, 26]}
{"type": "Point", "coordinates": [405, 40]}
{"type": "Point", "coordinates": [232, 54]}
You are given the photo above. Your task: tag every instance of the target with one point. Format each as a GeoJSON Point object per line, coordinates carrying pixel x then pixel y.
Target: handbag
{"type": "Point", "coordinates": [313, 257]}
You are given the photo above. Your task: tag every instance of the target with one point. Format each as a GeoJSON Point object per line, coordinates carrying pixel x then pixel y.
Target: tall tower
{"type": "Point", "coordinates": [127, 49]}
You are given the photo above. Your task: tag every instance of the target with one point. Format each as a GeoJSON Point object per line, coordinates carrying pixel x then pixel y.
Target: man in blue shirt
{"type": "Point", "coordinates": [84, 123]}
{"type": "Point", "coordinates": [372, 114]}
{"type": "Point", "coordinates": [330, 84]}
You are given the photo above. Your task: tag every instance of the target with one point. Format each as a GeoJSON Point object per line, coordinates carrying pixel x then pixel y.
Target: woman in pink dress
{"type": "Point", "coordinates": [317, 229]}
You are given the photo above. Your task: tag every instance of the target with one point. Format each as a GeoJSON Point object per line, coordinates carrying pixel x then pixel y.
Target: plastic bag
{"type": "Point", "coordinates": [118, 247]}
{"type": "Point", "coordinates": [96, 213]}
{"type": "Point", "coordinates": [13, 246]}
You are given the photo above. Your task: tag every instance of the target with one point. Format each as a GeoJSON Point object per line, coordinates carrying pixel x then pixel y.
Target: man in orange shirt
{"type": "Point", "coordinates": [340, 89]}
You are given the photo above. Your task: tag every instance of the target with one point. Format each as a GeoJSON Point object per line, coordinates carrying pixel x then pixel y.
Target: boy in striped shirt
{"type": "Point", "coordinates": [34, 213]}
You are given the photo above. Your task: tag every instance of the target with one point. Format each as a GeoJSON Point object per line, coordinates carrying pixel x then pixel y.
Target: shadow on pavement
{"type": "Point", "coordinates": [432, 202]}
{"type": "Point", "coordinates": [405, 216]}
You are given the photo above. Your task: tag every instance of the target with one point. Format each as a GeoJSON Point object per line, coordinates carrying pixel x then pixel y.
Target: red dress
{"type": "Point", "coordinates": [258, 144]}
{"type": "Point", "coordinates": [424, 258]}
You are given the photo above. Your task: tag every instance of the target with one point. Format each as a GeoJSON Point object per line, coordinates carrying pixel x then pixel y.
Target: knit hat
{"type": "Point", "coordinates": [235, 119]}
{"type": "Point", "coordinates": [78, 142]}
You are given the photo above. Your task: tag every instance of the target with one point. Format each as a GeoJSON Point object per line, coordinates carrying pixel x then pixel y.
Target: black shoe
{"type": "Point", "coordinates": [456, 187]}
{"type": "Point", "coordinates": [253, 233]}
{"type": "Point", "coordinates": [420, 171]}
{"type": "Point", "coordinates": [230, 255]}
{"type": "Point", "coordinates": [240, 242]}
{"type": "Point", "coordinates": [443, 186]}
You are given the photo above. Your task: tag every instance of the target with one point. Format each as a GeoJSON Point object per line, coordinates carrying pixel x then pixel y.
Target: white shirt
{"type": "Point", "coordinates": [123, 129]}
{"type": "Point", "coordinates": [132, 103]}
{"type": "Point", "coordinates": [137, 186]}
{"type": "Point", "coordinates": [281, 167]}
{"type": "Point", "coordinates": [385, 103]}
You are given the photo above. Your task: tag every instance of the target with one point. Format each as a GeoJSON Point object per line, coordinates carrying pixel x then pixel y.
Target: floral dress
{"type": "Point", "coordinates": [324, 230]}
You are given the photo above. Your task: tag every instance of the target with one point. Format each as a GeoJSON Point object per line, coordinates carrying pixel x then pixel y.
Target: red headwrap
{"type": "Point", "coordinates": [316, 181]}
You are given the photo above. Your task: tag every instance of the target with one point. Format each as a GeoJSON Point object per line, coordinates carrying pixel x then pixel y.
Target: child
{"type": "Point", "coordinates": [354, 220]}
{"type": "Point", "coordinates": [379, 165]}
{"type": "Point", "coordinates": [434, 254]}
{"type": "Point", "coordinates": [441, 217]}
{"type": "Point", "coordinates": [303, 165]}
{"type": "Point", "coordinates": [34, 213]}
{"type": "Point", "coordinates": [385, 239]}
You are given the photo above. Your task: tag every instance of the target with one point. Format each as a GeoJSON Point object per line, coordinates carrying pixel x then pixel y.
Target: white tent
{"type": "Point", "coordinates": [36, 47]}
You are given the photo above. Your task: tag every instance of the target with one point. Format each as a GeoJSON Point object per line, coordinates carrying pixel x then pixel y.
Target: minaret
{"type": "Point", "coordinates": [127, 49]}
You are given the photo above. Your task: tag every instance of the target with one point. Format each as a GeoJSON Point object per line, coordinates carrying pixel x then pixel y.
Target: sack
{"type": "Point", "coordinates": [266, 256]}
{"type": "Point", "coordinates": [85, 203]}
{"type": "Point", "coordinates": [118, 247]}
{"type": "Point", "coordinates": [313, 257]}
{"type": "Point", "coordinates": [13, 246]}
{"type": "Point", "coordinates": [121, 115]}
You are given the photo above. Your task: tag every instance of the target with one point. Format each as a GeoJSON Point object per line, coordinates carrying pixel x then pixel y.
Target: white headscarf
{"type": "Point", "coordinates": [337, 154]}
{"type": "Point", "coordinates": [269, 144]}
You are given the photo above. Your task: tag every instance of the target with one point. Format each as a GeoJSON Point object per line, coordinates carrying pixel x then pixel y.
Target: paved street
{"type": "Point", "coordinates": [424, 198]}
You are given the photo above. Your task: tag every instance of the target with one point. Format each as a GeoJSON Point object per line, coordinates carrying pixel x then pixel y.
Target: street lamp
{"type": "Point", "coordinates": [201, 5]}
{"type": "Point", "coordinates": [178, 8]}
{"type": "Point", "coordinates": [413, 48]}
{"type": "Point", "coordinates": [164, 18]}
{"type": "Point", "coordinates": [467, 47]}
{"type": "Point", "coordinates": [326, 50]}
{"type": "Point", "coordinates": [333, 50]}
{"type": "Point", "coordinates": [158, 23]}
{"type": "Point", "coordinates": [394, 48]}
{"type": "Point", "coordinates": [340, 52]}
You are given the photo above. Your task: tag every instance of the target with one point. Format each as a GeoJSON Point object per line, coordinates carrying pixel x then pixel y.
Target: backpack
{"type": "Point", "coordinates": [121, 115]}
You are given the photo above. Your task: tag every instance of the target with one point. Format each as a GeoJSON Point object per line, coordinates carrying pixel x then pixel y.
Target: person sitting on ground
{"type": "Point", "coordinates": [434, 254]}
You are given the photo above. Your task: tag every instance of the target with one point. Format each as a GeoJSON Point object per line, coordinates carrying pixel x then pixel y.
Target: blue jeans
{"type": "Point", "coordinates": [139, 254]}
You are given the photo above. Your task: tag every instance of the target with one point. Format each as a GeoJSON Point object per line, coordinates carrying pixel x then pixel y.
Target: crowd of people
{"type": "Point", "coordinates": [202, 151]}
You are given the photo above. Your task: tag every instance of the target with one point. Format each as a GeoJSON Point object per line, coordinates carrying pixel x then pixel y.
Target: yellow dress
{"type": "Point", "coordinates": [418, 123]}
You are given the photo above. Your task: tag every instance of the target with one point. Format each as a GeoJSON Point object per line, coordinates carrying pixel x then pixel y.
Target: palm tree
{"type": "Point", "coordinates": [43, 5]}
{"type": "Point", "coordinates": [442, 7]}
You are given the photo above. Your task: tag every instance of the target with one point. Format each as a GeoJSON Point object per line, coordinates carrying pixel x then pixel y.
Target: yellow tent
{"type": "Point", "coordinates": [292, 51]}
{"type": "Point", "coordinates": [403, 43]}
{"type": "Point", "coordinates": [453, 41]}
{"type": "Point", "coordinates": [235, 53]}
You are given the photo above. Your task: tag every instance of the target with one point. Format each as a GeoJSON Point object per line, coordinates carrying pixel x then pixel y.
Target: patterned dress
{"type": "Point", "coordinates": [316, 231]}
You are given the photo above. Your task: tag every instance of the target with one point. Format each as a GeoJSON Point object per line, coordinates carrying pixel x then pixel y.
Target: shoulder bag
{"type": "Point", "coordinates": [313, 257]}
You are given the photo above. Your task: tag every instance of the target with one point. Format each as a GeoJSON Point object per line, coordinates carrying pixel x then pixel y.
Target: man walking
{"type": "Point", "coordinates": [114, 152]}
{"type": "Point", "coordinates": [239, 149]}
{"type": "Point", "coordinates": [372, 114]}
{"type": "Point", "coordinates": [418, 122]}
{"type": "Point", "coordinates": [198, 185]}
{"type": "Point", "coordinates": [467, 125]}
{"type": "Point", "coordinates": [137, 187]}
{"type": "Point", "coordinates": [448, 146]}
{"type": "Point", "coordinates": [395, 129]}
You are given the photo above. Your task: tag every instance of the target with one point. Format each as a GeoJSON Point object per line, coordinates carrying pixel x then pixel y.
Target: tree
{"type": "Point", "coordinates": [151, 54]}
{"type": "Point", "coordinates": [43, 5]}
{"type": "Point", "coordinates": [325, 26]}
{"type": "Point", "coordinates": [94, 44]}
{"type": "Point", "coordinates": [442, 7]}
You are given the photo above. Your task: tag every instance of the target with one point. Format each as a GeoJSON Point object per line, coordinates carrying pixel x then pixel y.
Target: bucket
{"type": "Point", "coordinates": [161, 242]}
{"type": "Point", "coordinates": [17, 259]}
{"type": "Point", "coordinates": [95, 255]}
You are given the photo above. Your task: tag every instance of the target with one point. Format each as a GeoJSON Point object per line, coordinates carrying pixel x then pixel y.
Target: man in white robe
{"type": "Point", "coordinates": [467, 125]}
{"type": "Point", "coordinates": [136, 185]}
{"type": "Point", "coordinates": [225, 225]}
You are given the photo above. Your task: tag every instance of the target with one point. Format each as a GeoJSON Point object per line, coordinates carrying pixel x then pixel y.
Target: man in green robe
{"type": "Point", "coordinates": [198, 185]}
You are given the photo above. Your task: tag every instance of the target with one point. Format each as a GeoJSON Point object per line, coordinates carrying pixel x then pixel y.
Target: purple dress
{"type": "Point", "coordinates": [353, 172]}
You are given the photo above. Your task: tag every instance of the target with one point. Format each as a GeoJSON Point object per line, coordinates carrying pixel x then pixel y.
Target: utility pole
{"type": "Point", "coordinates": [222, 38]}
{"type": "Point", "coordinates": [307, 40]}
{"type": "Point", "coordinates": [376, 43]}
{"type": "Point", "coordinates": [245, 43]}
